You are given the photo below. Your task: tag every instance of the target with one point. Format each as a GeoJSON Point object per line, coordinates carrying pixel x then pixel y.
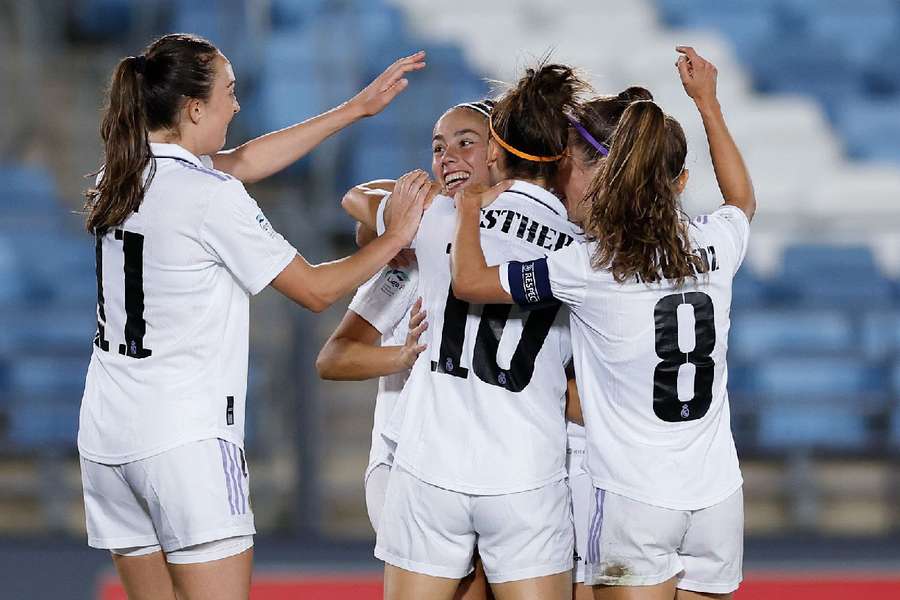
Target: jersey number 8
{"type": "Point", "coordinates": [666, 404]}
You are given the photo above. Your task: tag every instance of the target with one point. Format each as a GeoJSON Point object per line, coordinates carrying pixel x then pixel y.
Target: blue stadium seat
{"type": "Point", "coordinates": [750, 29]}
{"type": "Point", "coordinates": [832, 426]}
{"type": "Point", "coordinates": [684, 13]}
{"type": "Point", "coordinates": [833, 276]}
{"type": "Point", "coordinates": [58, 328]}
{"type": "Point", "coordinates": [381, 150]}
{"type": "Point", "coordinates": [881, 334]}
{"type": "Point", "coordinates": [882, 77]}
{"type": "Point", "coordinates": [43, 423]}
{"type": "Point", "coordinates": [748, 290]}
{"type": "Point", "coordinates": [818, 403]}
{"type": "Point", "coordinates": [294, 14]}
{"type": "Point", "coordinates": [70, 275]}
{"type": "Point", "coordinates": [819, 260]}
{"type": "Point", "coordinates": [756, 334]}
{"type": "Point", "coordinates": [871, 128]}
{"type": "Point", "coordinates": [49, 374]}
{"type": "Point", "coordinates": [14, 287]}
{"type": "Point", "coordinates": [814, 378]}
{"type": "Point", "coordinates": [27, 190]}
{"type": "Point", "coordinates": [103, 20]}
{"type": "Point", "coordinates": [805, 66]}
{"type": "Point", "coordinates": [858, 34]}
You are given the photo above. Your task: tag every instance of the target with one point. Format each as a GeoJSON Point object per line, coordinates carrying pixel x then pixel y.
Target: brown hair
{"type": "Point", "coordinates": [635, 217]}
{"type": "Point", "coordinates": [600, 117]}
{"type": "Point", "coordinates": [146, 93]}
{"type": "Point", "coordinates": [531, 117]}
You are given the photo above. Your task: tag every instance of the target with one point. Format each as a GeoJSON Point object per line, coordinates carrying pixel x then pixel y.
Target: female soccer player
{"type": "Point", "coordinates": [592, 125]}
{"type": "Point", "coordinates": [382, 307]}
{"type": "Point", "coordinates": [650, 294]}
{"type": "Point", "coordinates": [180, 247]}
{"type": "Point", "coordinates": [480, 451]}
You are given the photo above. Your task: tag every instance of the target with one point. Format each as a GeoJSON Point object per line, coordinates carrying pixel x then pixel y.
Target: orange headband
{"type": "Point", "coordinates": [519, 153]}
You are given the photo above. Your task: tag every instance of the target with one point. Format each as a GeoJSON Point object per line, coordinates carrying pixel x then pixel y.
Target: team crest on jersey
{"type": "Point", "coordinates": [264, 224]}
{"type": "Point", "coordinates": [394, 280]}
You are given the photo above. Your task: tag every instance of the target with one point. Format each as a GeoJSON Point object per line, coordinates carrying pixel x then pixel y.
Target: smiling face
{"type": "Point", "coordinates": [459, 150]}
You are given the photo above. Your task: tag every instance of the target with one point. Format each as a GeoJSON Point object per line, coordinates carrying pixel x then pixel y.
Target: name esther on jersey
{"type": "Point", "coordinates": [526, 228]}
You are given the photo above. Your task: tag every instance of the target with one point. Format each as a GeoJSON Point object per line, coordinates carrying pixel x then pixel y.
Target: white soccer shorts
{"type": "Point", "coordinates": [631, 543]}
{"type": "Point", "coordinates": [177, 501]}
{"type": "Point", "coordinates": [582, 489]}
{"type": "Point", "coordinates": [376, 489]}
{"type": "Point", "coordinates": [430, 530]}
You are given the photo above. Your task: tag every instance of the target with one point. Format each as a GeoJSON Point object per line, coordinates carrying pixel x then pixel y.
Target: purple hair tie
{"type": "Point", "coordinates": [603, 150]}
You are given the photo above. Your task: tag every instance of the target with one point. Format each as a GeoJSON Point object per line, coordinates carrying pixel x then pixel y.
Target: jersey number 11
{"type": "Point", "coordinates": [135, 326]}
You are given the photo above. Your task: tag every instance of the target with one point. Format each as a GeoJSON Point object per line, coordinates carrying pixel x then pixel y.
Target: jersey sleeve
{"type": "Point", "coordinates": [385, 299]}
{"type": "Point", "coordinates": [237, 233]}
{"type": "Point", "coordinates": [559, 277]}
{"type": "Point", "coordinates": [731, 224]}
{"type": "Point", "coordinates": [380, 226]}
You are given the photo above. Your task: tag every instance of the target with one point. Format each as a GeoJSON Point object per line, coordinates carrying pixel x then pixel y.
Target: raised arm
{"type": "Point", "coordinates": [473, 280]}
{"type": "Point", "coordinates": [318, 286]}
{"type": "Point", "coordinates": [361, 201]}
{"type": "Point", "coordinates": [352, 352]}
{"type": "Point", "coordinates": [272, 152]}
{"type": "Point", "coordinates": [698, 76]}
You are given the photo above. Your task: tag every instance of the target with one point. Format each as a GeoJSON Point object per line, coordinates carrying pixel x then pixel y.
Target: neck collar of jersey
{"type": "Point", "coordinates": [174, 151]}
{"type": "Point", "coordinates": [539, 195]}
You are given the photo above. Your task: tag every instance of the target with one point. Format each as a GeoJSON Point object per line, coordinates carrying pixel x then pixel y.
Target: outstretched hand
{"type": "Point", "coordinates": [373, 98]}
{"type": "Point", "coordinates": [698, 75]}
{"type": "Point", "coordinates": [478, 196]}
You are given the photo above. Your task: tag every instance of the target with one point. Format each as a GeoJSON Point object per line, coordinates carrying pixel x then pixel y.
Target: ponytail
{"type": "Point", "coordinates": [635, 217]}
{"type": "Point", "coordinates": [145, 94]}
{"type": "Point", "coordinates": [127, 150]}
{"type": "Point", "coordinates": [529, 121]}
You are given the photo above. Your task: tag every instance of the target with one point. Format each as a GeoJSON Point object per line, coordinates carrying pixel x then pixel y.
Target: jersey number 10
{"type": "Point", "coordinates": [487, 342]}
{"type": "Point", "coordinates": [135, 326]}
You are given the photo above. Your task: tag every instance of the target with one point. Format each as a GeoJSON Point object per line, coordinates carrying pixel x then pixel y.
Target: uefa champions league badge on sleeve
{"type": "Point", "coordinates": [264, 224]}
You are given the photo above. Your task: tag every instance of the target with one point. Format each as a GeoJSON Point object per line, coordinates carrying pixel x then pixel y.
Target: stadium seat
{"type": "Point", "coordinates": [824, 425]}
{"type": "Point", "coordinates": [871, 128]}
{"type": "Point", "coordinates": [818, 403]}
{"type": "Point", "coordinates": [822, 260]}
{"type": "Point", "coordinates": [57, 328]}
{"type": "Point", "coordinates": [880, 336]}
{"type": "Point", "coordinates": [882, 76]}
{"type": "Point", "coordinates": [49, 374]}
{"type": "Point", "coordinates": [293, 14]}
{"type": "Point", "coordinates": [747, 290]}
{"type": "Point", "coordinates": [42, 423]}
{"type": "Point", "coordinates": [802, 65]}
{"type": "Point", "coordinates": [833, 276]}
{"type": "Point", "coordinates": [758, 333]}
{"type": "Point", "coordinates": [809, 378]}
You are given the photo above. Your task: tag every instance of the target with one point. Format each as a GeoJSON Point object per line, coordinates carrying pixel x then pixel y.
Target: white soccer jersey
{"type": "Point", "coordinates": [483, 409]}
{"type": "Point", "coordinates": [650, 363]}
{"type": "Point", "coordinates": [169, 363]}
{"type": "Point", "coordinates": [384, 302]}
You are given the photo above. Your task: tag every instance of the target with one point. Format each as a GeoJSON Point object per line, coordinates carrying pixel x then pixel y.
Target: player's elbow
{"type": "Point", "coordinates": [465, 288]}
{"type": "Point", "coordinates": [326, 362]}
